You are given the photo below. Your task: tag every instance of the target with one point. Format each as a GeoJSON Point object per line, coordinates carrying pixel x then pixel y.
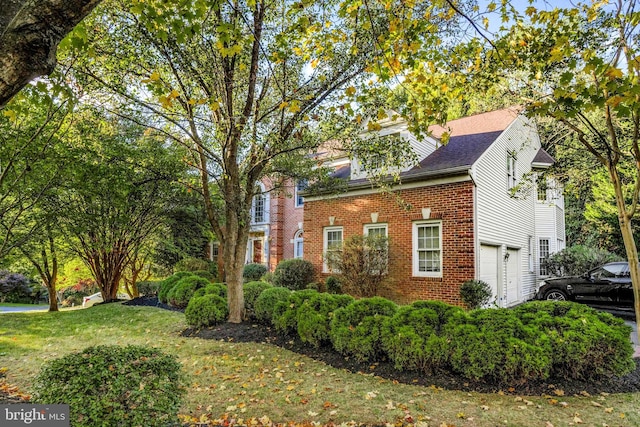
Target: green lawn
{"type": "Point", "coordinates": [257, 380]}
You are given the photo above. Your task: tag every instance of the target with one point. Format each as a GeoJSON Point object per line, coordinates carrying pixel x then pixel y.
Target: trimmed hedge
{"type": "Point", "coordinates": [266, 302]}
{"type": "Point", "coordinates": [167, 284]}
{"type": "Point", "coordinates": [219, 289]}
{"type": "Point", "coordinates": [183, 291]}
{"type": "Point", "coordinates": [252, 291]}
{"type": "Point", "coordinates": [585, 343]}
{"type": "Point", "coordinates": [207, 310]}
{"type": "Point", "coordinates": [253, 272]}
{"type": "Point", "coordinates": [114, 386]}
{"type": "Point", "coordinates": [494, 345]}
{"type": "Point", "coordinates": [285, 313]}
{"type": "Point", "coordinates": [148, 287]}
{"type": "Point", "coordinates": [356, 328]}
{"type": "Point", "coordinates": [314, 317]}
{"type": "Point", "coordinates": [294, 274]}
{"type": "Point", "coordinates": [413, 338]}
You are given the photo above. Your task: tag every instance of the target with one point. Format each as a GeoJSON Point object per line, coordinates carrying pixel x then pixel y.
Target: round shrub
{"type": "Point", "coordinates": [494, 345]}
{"type": "Point", "coordinates": [253, 272]}
{"type": "Point", "coordinates": [167, 284]}
{"type": "Point", "coordinates": [285, 313]}
{"type": "Point", "coordinates": [294, 274]}
{"type": "Point", "coordinates": [219, 289]}
{"type": "Point", "coordinates": [182, 291]}
{"type": "Point", "coordinates": [266, 302]}
{"type": "Point", "coordinates": [414, 339]}
{"type": "Point", "coordinates": [356, 328]}
{"type": "Point", "coordinates": [585, 343]}
{"type": "Point", "coordinates": [207, 310]}
{"type": "Point", "coordinates": [149, 288]}
{"type": "Point", "coordinates": [252, 291]}
{"type": "Point", "coordinates": [475, 293]}
{"type": "Point", "coordinates": [114, 386]}
{"type": "Point", "coordinates": [314, 317]}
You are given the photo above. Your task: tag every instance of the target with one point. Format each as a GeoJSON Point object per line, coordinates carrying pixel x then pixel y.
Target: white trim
{"type": "Point", "coordinates": [414, 250]}
{"type": "Point", "coordinates": [325, 232]}
{"type": "Point", "coordinates": [298, 238]}
{"type": "Point", "coordinates": [411, 185]}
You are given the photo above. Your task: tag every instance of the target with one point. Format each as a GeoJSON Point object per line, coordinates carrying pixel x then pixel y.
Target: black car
{"type": "Point", "coordinates": [608, 284]}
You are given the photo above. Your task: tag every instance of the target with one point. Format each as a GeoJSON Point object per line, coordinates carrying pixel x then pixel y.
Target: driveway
{"type": "Point", "coordinates": [23, 309]}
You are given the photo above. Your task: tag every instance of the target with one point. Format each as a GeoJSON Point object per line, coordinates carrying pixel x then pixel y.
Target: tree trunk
{"type": "Point", "coordinates": [234, 259]}
{"type": "Point", "coordinates": [53, 296]}
{"type": "Point", "coordinates": [629, 244]}
{"type": "Point", "coordinates": [30, 31]}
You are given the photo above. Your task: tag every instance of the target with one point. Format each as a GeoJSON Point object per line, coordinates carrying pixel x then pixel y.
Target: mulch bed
{"type": "Point", "coordinates": [250, 332]}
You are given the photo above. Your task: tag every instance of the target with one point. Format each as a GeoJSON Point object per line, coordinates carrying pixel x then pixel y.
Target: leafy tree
{"type": "Point", "coordinates": [116, 195]}
{"type": "Point", "coordinates": [252, 87]}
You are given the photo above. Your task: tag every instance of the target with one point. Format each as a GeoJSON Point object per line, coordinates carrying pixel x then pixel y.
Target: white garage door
{"type": "Point", "coordinates": [489, 268]}
{"type": "Point", "coordinates": [513, 277]}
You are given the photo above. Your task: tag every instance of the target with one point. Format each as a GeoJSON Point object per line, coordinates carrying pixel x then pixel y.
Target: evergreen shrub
{"type": "Point", "coordinates": [314, 317]}
{"type": "Point", "coordinates": [285, 313]}
{"type": "Point", "coordinates": [207, 310]}
{"type": "Point", "coordinates": [266, 302]}
{"type": "Point", "coordinates": [114, 386]}
{"type": "Point", "coordinates": [294, 274]}
{"type": "Point", "coordinates": [356, 328]}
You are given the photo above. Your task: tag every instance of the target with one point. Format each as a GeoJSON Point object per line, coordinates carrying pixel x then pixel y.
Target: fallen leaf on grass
{"type": "Point", "coordinates": [608, 410]}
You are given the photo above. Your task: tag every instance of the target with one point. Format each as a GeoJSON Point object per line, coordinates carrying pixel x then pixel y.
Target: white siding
{"type": "Point", "coordinates": [503, 220]}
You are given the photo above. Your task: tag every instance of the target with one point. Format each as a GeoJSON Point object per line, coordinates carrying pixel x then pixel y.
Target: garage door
{"type": "Point", "coordinates": [513, 277]}
{"type": "Point", "coordinates": [489, 268]}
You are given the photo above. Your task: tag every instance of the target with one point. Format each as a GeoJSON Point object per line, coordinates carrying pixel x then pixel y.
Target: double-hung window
{"type": "Point", "coordinates": [332, 247]}
{"type": "Point", "coordinates": [427, 249]}
{"type": "Point", "coordinates": [543, 252]}
{"type": "Point", "coordinates": [300, 186]}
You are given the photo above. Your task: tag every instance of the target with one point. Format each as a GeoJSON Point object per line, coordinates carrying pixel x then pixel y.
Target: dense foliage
{"type": "Point", "coordinates": [314, 317]}
{"type": "Point", "coordinates": [267, 301]}
{"type": "Point", "coordinates": [475, 293]}
{"type": "Point", "coordinates": [253, 272]}
{"type": "Point", "coordinates": [184, 289]}
{"type": "Point", "coordinates": [577, 260]}
{"type": "Point", "coordinates": [111, 385]}
{"type": "Point", "coordinates": [206, 310]}
{"type": "Point", "coordinates": [294, 274]}
{"type": "Point", "coordinates": [252, 291]}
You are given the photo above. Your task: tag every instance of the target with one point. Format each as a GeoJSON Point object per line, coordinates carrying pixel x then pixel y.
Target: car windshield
{"type": "Point", "coordinates": [615, 270]}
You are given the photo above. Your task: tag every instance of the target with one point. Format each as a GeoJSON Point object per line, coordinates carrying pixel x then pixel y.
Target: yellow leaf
{"type": "Point", "coordinates": [314, 63]}
{"type": "Point", "coordinates": [614, 73]}
{"type": "Point", "coordinates": [10, 114]}
{"type": "Point", "coordinates": [350, 91]}
{"type": "Point", "coordinates": [283, 105]}
{"type": "Point", "coordinates": [294, 107]}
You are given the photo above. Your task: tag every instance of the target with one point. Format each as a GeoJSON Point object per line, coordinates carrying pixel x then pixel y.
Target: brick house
{"type": "Point", "coordinates": [276, 225]}
{"type": "Point", "coordinates": [475, 208]}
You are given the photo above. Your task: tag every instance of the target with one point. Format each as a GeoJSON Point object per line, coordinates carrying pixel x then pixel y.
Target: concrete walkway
{"type": "Point", "coordinates": [634, 337]}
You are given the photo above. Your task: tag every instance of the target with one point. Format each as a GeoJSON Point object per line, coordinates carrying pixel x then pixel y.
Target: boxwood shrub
{"type": "Point", "coordinates": [219, 289]}
{"type": "Point", "coordinates": [266, 302]}
{"type": "Point", "coordinates": [207, 310]}
{"type": "Point", "coordinates": [414, 339]}
{"type": "Point", "coordinates": [167, 284]}
{"type": "Point", "coordinates": [253, 272]}
{"type": "Point", "coordinates": [252, 291]}
{"type": "Point", "coordinates": [494, 345]}
{"type": "Point", "coordinates": [356, 328]}
{"type": "Point", "coordinates": [585, 343]}
{"type": "Point", "coordinates": [114, 386]}
{"type": "Point", "coordinates": [314, 317]}
{"type": "Point", "coordinates": [148, 287]}
{"type": "Point", "coordinates": [285, 313]}
{"type": "Point", "coordinates": [294, 274]}
{"type": "Point", "coordinates": [182, 291]}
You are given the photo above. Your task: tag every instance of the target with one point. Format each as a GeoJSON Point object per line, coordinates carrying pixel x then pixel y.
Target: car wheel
{"type": "Point", "coordinates": [555, 295]}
